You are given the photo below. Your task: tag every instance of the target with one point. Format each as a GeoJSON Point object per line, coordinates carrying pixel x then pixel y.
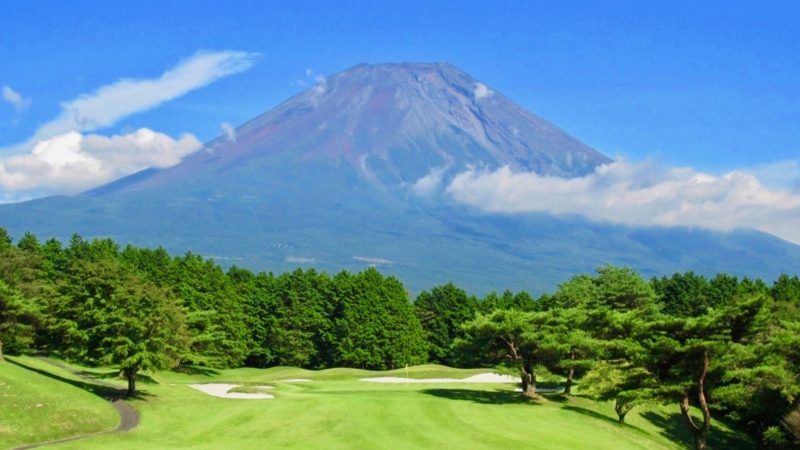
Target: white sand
{"type": "Point", "coordinates": [479, 378]}
{"type": "Point", "coordinates": [297, 380]}
{"type": "Point", "coordinates": [221, 390]}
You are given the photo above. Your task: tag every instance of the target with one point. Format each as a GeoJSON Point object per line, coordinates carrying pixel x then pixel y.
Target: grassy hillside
{"type": "Point", "coordinates": [41, 403]}
{"type": "Point", "coordinates": [336, 410]}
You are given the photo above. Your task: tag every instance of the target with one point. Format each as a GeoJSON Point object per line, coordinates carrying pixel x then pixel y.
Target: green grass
{"type": "Point", "coordinates": [251, 389]}
{"type": "Point", "coordinates": [336, 411]}
{"type": "Point", "coordinates": [36, 407]}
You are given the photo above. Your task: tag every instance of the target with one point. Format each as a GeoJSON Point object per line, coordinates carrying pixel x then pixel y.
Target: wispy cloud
{"type": "Point", "coordinates": [374, 261]}
{"type": "Point", "coordinates": [428, 184]}
{"type": "Point", "coordinates": [113, 102]}
{"type": "Point", "coordinates": [229, 131]}
{"type": "Point", "coordinates": [320, 85]}
{"type": "Point", "coordinates": [481, 91]}
{"type": "Point", "coordinates": [15, 99]}
{"type": "Point", "coordinates": [71, 162]}
{"type": "Point", "coordinates": [61, 158]}
{"type": "Point", "coordinates": [300, 260]}
{"type": "Point", "coordinates": [640, 194]}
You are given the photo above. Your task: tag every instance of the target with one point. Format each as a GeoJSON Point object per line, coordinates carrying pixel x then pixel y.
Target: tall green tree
{"type": "Point", "coordinates": [619, 381]}
{"type": "Point", "coordinates": [144, 329]}
{"type": "Point", "coordinates": [521, 301]}
{"type": "Point", "coordinates": [689, 356]}
{"type": "Point", "coordinates": [510, 337]}
{"type": "Point", "coordinates": [683, 294]}
{"type": "Point", "coordinates": [376, 326]}
{"type": "Point", "coordinates": [762, 365]}
{"type": "Point", "coordinates": [214, 314]}
{"type": "Point", "coordinates": [680, 354]}
{"type": "Point", "coordinates": [786, 289]}
{"type": "Point", "coordinates": [18, 318]}
{"type": "Point", "coordinates": [441, 312]}
{"type": "Point", "coordinates": [298, 319]}
{"type": "Point", "coordinates": [259, 305]}
{"type": "Point", "coordinates": [591, 318]}
{"type": "Point", "coordinates": [110, 315]}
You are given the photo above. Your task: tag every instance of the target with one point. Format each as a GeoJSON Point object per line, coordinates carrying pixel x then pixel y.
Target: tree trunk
{"type": "Point", "coordinates": [699, 432]}
{"type": "Point", "coordinates": [570, 375]}
{"type": "Point", "coordinates": [130, 374]}
{"type": "Point", "coordinates": [622, 408]}
{"type": "Point", "coordinates": [568, 384]}
{"type": "Point", "coordinates": [1, 350]}
{"type": "Point", "coordinates": [699, 441]}
{"type": "Point", "coordinates": [528, 381]}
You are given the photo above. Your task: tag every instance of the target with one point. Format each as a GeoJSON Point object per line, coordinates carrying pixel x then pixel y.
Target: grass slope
{"type": "Point", "coordinates": [336, 411]}
{"type": "Point", "coordinates": [46, 403]}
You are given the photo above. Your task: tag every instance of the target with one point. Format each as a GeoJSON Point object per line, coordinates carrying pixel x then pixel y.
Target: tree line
{"type": "Point", "coordinates": [727, 346]}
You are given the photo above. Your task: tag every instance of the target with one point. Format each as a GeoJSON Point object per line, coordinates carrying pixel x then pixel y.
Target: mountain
{"type": "Point", "coordinates": [331, 179]}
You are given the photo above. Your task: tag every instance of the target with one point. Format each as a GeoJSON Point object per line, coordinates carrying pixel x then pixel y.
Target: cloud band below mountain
{"type": "Point", "coordinates": [637, 194]}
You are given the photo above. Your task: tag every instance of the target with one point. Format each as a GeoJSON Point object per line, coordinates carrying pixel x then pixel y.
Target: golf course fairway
{"type": "Point", "coordinates": [334, 410]}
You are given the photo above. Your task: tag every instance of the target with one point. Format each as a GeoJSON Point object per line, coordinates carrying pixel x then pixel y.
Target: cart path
{"type": "Point", "coordinates": [128, 416]}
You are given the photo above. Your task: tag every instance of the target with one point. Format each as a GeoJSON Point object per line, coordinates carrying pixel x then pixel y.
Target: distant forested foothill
{"type": "Point", "coordinates": [725, 347]}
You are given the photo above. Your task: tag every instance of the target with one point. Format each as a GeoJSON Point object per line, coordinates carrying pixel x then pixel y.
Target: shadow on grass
{"type": "Point", "coordinates": [674, 427]}
{"type": "Point", "coordinates": [592, 414]}
{"type": "Point", "coordinates": [556, 397]}
{"type": "Point", "coordinates": [97, 376]}
{"type": "Point", "coordinates": [479, 396]}
{"type": "Point", "coordinates": [99, 388]}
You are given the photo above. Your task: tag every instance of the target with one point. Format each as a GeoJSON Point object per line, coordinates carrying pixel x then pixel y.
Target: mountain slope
{"type": "Point", "coordinates": [330, 179]}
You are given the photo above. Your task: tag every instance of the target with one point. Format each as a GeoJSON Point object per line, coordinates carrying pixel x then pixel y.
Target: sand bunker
{"type": "Point", "coordinates": [479, 378]}
{"type": "Point", "coordinates": [221, 390]}
{"type": "Point", "coordinates": [297, 380]}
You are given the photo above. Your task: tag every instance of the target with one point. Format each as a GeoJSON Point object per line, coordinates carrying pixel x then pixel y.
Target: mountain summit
{"type": "Point", "coordinates": [402, 115]}
{"type": "Point", "coordinates": [395, 122]}
{"type": "Point", "coordinates": [327, 180]}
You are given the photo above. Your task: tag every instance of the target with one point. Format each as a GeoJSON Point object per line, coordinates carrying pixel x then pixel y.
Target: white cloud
{"type": "Point", "coordinates": [300, 260]}
{"type": "Point", "coordinates": [640, 194]}
{"type": "Point", "coordinates": [60, 158]}
{"type": "Point", "coordinates": [320, 87]}
{"type": "Point", "coordinates": [16, 100]}
{"type": "Point", "coordinates": [113, 102]}
{"type": "Point", "coordinates": [374, 261]}
{"type": "Point", "coordinates": [72, 162]}
{"type": "Point", "coordinates": [427, 184]}
{"type": "Point", "coordinates": [481, 91]}
{"type": "Point", "coordinates": [229, 131]}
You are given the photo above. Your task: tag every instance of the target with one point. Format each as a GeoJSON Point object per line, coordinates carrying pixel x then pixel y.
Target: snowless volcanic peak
{"type": "Point", "coordinates": [403, 119]}
{"type": "Point", "coordinates": [322, 180]}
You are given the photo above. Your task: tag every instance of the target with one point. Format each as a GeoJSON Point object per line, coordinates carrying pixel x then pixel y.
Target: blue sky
{"type": "Point", "coordinates": [710, 85]}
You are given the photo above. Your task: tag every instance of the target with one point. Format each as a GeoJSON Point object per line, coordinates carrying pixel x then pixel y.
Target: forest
{"type": "Point", "coordinates": [725, 347]}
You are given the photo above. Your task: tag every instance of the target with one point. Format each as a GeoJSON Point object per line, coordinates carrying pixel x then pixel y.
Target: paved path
{"type": "Point", "coordinates": [128, 416]}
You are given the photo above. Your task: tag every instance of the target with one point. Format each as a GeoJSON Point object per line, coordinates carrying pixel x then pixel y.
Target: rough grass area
{"type": "Point", "coordinates": [336, 411]}
{"type": "Point", "coordinates": [39, 402]}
